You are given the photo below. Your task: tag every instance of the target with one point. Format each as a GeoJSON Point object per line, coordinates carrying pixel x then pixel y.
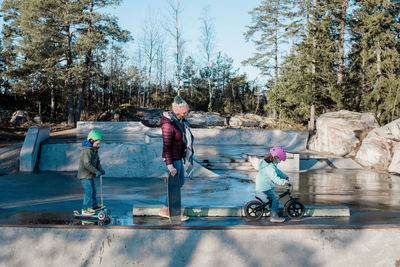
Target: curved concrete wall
{"type": "Point", "coordinates": [268, 246]}
{"type": "Point", "coordinates": [126, 154]}
{"type": "Point", "coordinates": [122, 159]}
{"type": "Point", "coordinates": [289, 139]}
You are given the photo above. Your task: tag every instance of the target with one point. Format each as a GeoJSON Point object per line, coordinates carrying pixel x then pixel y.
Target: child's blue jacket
{"type": "Point", "coordinates": [268, 176]}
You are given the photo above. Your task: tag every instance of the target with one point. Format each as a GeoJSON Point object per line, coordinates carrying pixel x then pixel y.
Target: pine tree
{"type": "Point", "coordinates": [53, 45]}
{"type": "Point", "coordinates": [377, 29]}
{"type": "Point", "coordinates": [273, 25]}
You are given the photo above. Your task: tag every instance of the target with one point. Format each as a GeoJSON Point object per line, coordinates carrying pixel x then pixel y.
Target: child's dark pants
{"type": "Point", "coordinates": [89, 200]}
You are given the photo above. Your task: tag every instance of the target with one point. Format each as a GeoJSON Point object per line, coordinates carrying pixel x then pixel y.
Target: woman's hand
{"type": "Point", "coordinates": [172, 170]}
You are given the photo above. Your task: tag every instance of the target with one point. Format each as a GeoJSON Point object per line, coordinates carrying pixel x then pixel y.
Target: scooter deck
{"type": "Point", "coordinates": [106, 215]}
{"type": "Point", "coordinates": [86, 217]}
{"type": "Point", "coordinates": [174, 199]}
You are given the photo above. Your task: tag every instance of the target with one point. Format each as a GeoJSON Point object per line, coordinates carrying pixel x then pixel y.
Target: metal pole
{"type": "Point", "coordinates": [101, 190]}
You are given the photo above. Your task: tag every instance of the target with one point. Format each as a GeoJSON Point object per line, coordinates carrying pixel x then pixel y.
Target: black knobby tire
{"type": "Point", "coordinates": [108, 212]}
{"type": "Point", "coordinates": [254, 210]}
{"type": "Point", "coordinates": [294, 209]}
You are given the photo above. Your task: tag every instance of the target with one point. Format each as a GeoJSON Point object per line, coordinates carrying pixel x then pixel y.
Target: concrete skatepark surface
{"type": "Point", "coordinates": [37, 226]}
{"type": "Point", "coordinates": [50, 197]}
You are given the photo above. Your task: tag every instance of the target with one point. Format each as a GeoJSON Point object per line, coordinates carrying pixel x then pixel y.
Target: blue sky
{"type": "Point", "coordinates": [231, 18]}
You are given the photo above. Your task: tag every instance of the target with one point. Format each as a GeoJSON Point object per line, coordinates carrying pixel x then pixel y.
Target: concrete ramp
{"type": "Point", "coordinates": [132, 149]}
{"type": "Point", "coordinates": [132, 131]}
{"type": "Point", "coordinates": [123, 159]}
{"type": "Point", "coordinates": [290, 140]}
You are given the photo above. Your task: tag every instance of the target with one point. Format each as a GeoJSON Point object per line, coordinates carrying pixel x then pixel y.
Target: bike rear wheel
{"type": "Point", "coordinates": [254, 209]}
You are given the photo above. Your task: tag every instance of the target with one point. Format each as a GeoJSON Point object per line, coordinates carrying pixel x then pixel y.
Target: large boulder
{"type": "Point", "coordinates": [250, 120]}
{"type": "Point", "coordinates": [149, 117]}
{"type": "Point", "coordinates": [20, 117]}
{"type": "Point", "coordinates": [381, 148]}
{"type": "Point", "coordinates": [200, 119]}
{"type": "Point", "coordinates": [341, 132]}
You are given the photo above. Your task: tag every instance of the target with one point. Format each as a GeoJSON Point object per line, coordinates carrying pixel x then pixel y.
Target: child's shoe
{"type": "Point", "coordinates": [88, 211]}
{"type": "Point", "coordinates": [184, 218]}
{"type": "Point", "coordinates": [99, 206]}
{"type": "Point", "coordinates": [276, 219]}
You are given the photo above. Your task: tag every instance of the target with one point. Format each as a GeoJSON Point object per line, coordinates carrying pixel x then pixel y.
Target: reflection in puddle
{"type": "Point", "coordinates": [356, 188]}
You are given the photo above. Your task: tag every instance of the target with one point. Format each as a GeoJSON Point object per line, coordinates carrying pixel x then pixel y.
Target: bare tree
{"type": "Point", "coordinates": [161, 61]}
{"type": "Point", "coordinates": [140, 67]}
{"type": "Point", "coordinates": [151, 39]}
{"type": "Point", "coordinates": [207, 44]}
{"type": "Point", "coordinates": [175, 30]}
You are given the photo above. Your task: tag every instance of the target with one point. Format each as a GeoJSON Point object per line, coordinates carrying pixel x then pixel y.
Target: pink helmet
{"type": "Point", "coordinates": [278, 152]}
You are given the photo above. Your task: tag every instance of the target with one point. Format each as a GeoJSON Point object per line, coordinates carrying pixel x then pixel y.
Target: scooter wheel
{"type": "Point", "coordinates": [108, 212]}
{"type": "Point", "coordinates": [254, 210]}
{"type": "Point", "coordinates": [294, 209]}
{"type": "Point", "coordinates": [101, 216]}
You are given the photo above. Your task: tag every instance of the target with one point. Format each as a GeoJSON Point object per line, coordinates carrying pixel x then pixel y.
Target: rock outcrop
{"type": "Point", "coordinates": [341, 132]}
{"type": "Point", "coordinates": [200, 119]}
{"type": "Point", "coordinates": [380, 149]}
{"type": "Point", "coordinates": [20, 117]}
{"type": "Point", "coordinates": [250, 120]}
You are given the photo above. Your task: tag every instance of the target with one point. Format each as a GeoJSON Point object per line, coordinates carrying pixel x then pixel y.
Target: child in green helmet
{"type": "Point", "coordinates": [89, 168]}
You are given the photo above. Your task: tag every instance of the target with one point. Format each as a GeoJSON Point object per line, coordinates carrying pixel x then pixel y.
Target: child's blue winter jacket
{"type": "Point", "coordinates": [268, 176]}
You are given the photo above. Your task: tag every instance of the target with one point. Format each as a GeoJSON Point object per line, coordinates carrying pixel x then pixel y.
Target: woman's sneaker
{"type": "Point", "coordinates": [88, 211]}
{"type": "Point", "coordinates": [164, 212]}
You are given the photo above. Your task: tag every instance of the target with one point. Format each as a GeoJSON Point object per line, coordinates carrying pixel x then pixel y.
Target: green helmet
{"type": "Point", "coordinates": [95, 135]}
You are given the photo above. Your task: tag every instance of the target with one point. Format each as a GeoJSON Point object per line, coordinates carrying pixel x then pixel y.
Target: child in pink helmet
{"type": "Point", "coordinates": [269, 175]}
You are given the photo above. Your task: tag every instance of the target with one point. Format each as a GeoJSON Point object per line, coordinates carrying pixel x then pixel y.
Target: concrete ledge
{"type": "Point", "coordinates": [268, 246]}
{"type": "Point", "coordinates": [311, 211]}
{"type": "Point", "coordinates": [150, 137]}
{"type": "Point", "coordinates": [30, 148]}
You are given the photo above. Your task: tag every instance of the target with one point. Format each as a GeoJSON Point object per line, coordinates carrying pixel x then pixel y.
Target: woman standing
{"type": "Point", "coordinates": [177, 143]}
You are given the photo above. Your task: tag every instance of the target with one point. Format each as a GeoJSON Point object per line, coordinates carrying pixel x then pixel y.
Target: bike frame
{"type": "Point", "coordinates": [268, 202]}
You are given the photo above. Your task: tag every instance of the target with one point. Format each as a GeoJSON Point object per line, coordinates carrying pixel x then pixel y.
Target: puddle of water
{"type": "Point", "coordinates": [356, 188]}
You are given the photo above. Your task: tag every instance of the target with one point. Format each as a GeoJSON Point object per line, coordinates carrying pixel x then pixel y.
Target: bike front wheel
{"type": "Point", "coordinates": [254, 210]}
{"type": "Point", "coordinates": [294, 209]}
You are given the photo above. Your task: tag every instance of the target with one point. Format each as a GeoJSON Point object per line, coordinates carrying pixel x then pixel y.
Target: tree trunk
{"type": "Point", "coordinates": [88, 65]}
{"type": "Point", "coordinates": [84, 86]}
{"type": "Point", "coordinates": [149, 78]}
{"type": "Point", "coordinates": [210, 95]}
{"type": "Point", "coordinates": [341, 43]}
{"type": "Point", "coordinates": [52, 102]}
{"type": "Point", "coordinates": [68, 80]}
{"type": "Point", "coordinates": [378, 60]}
{"type": "Point", "coordinates": [178, 75]}
{"type": "Point", "coordinates": [312, 118]}
{"type": "Point", "coordinates": [313, 70]}
{"type": "Point", "coordinates": [276, 46]}
{"type": "Point", "coordinates": [234, 99]}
